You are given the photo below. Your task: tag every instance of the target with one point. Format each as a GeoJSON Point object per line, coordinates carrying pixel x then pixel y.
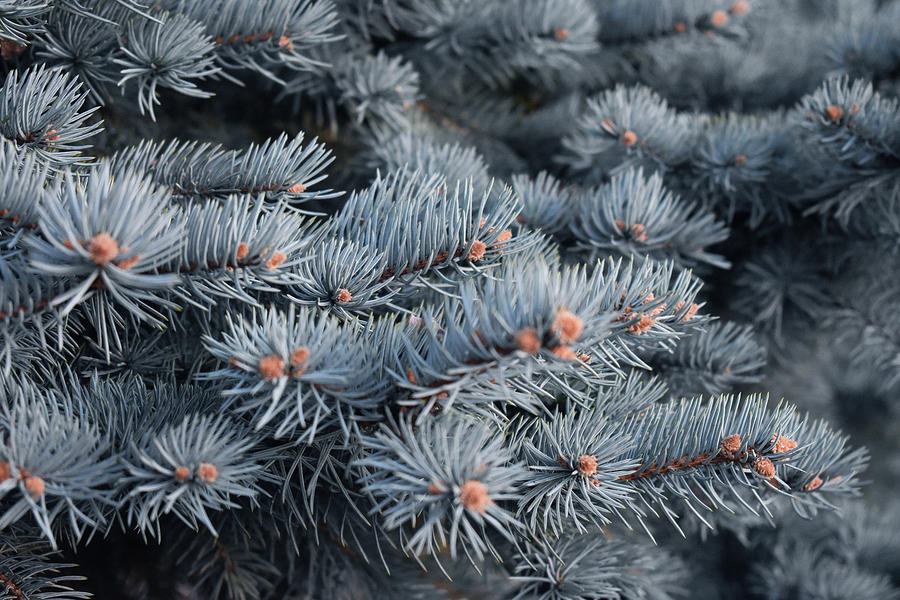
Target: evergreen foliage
{"type": "Point", "coordinates": [508, 299]}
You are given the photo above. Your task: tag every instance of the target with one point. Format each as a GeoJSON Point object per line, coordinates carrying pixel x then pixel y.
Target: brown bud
{"type": "Point", "coordinates": [127, 263]}
{"type": "Point", "coordinates": [814, 484]}
{"type": "Point", "coordinates": [587, 465]}
{"type": "Point", "coordinates": [35, 486]}
{"type": "Point", "coordinates": [567, 326]}
{"type": "Point", "coordinates": [834, 113]}
{"type": "Point", "coordinates": [563, 352]}
{"type": "Point", "coordinates": [299, 356]}
{"type": "Point", "coordinates": [182, 474]}
{"type": "Point", "coordinates": [629, 138]}
{"type": "Point", "coordinates": [730, 445]}
{"type": "Point", "coordinates": [764, 467]}
{"type": "Point", "coordinates": [474, 495]}
{"type": "Point", "coordinates": [528, 341]}
{"type": "Point", "coordinates": [103, 248]}
{"type": "Point", "coordinates": [783, 444]}
{"type": "Point", "coordinates": [718, 18]}
{"type": "Point", "coordinates": [271, 367]}
{"type": "Point", "coordinates": [275, 260]}
{"type": "Point", "coordinates": [207, 472]}
{"type": "Point", "coordinates": [740, 8]}
{"type": "Point", "coordinates": [644, 324]}
{"type": "Point", "coordinates": [477, 250]}
{"type": "Point", "coordinates": [344, 295]}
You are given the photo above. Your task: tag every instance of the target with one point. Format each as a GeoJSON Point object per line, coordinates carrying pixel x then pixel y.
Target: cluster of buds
{"type": "Point", "coordinates": [34, 485]}
{"type": "Point", "coordinates": [206, 473]}
{"type": "Point", "coordinates": [272, 366]}
{"type": "Point", "coordinates": [567, 328]}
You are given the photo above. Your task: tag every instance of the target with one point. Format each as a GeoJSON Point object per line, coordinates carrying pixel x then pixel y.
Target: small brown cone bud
{"type": "Point", "coordinates": [528, 341]}
{"type": "Point", "coordinates": [297, 188]}
{"type": "Point", "coordinates": [638, 232]}
{"type": "Point", "coordinates": [814, 484]}
{"type": "Point", "coordinates": [629, 138]}
{"type": "Point", "coordinates": [103, 248]}
{"type": "Point", "coordinates": [474, 495]}
{"type": "Point", "coordinates": [783, 444]}
{"type": "Point", "coordinates": [182, 474]}
{"type": "Point", "coordinates": [718, 18]}
{"type": "Point", "coordinates": [504, 236]}
{"type": "Point", "coordinates": [299, 356]}
{"type": "Point", "coordinates": [730, 445]}
{"type": "Point", "coordinates": [435, 489]}
{"type": "Point", "coordinates": [5, 470]}
{"type": "Point", "coordinates": [271, 367]}
{"type": "Point", "coordinates": [35, 486]}
{"type": "Point", "coordinates": [692, 310]}
{"type": "Point", "coordinates": [344, 296]}
{"type": "Point", "coordinates": [834, 113]}
{"type": "Point", "coordinates": [740, 159]}
{"type": "Point", "coordinates": [643, 325]}
{"type": "Point", "coordinates": [207, 472]}
{"type": "Point", "coordinates": [740, 8]}
{"type": "Point", "coordinates": [567, 326]}
{"type": "Point", "coordinates": [563, 352]}
{"type": "Point", "coordinates": [587, 465]}
{"type": "Point", "coordinates": [275, 260]}
{"type": "Point", "coordinates": [298, 361]}
{"type": "Point", "coordinates": [242, 251]}
{"type": "Point", "coordinates": [764, 467]}
{"type": "Point", "coordinates": [562, 34]}
{"type": "Point", "coordinates": [680, 27]}
{"type": "Point", "coordinates": [127, 263]}
{"type": "Point", "coordinates": [477, 251]}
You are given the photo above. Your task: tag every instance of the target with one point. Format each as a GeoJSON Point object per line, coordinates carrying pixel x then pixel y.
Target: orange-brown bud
{"type": "Point", "coordinates": [35, 486]}
{"type": "Point", "coordinates": [207, 472]}
{"type": "Point", "coordinates": [182, 474]}
{"type": "Point", "coordinates": [834, 113]}
{"type": "Point", "coordinates": [528, 341]}
{"type": "Point", "coordinates": [103, 248]}
{"type": "Point", "coordinates": [730, 445]}
{"type": "Point", "coordinates": [271, 367]}
{"type": "Point", "coordinates": [587, 465]}
{"type": "Point", "coordinates": [477, 250]}
{"type": "Point", "coordinates": [764, 467]}
{"type": "Point", "coordinates": [473, 494]}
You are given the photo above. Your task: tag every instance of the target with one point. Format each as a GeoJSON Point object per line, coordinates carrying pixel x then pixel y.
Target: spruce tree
{"type": "Point", "coordinates": [414, 299]}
